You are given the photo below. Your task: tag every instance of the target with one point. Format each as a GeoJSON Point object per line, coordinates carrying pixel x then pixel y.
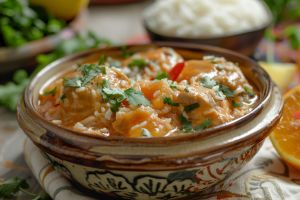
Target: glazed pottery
{"type": "Point", "coordinates": [153, 168]}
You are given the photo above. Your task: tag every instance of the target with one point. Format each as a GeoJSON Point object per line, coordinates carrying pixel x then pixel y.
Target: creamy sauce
{"type": "Point", "coordinates": [200, 97]}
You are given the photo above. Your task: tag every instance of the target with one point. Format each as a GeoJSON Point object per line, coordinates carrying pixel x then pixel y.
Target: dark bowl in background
{"type": "Point", "coordinates": [244, 43]}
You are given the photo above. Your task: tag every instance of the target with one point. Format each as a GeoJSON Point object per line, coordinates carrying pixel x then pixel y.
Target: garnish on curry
{"type": "Point", "coordinates": [148, 94]}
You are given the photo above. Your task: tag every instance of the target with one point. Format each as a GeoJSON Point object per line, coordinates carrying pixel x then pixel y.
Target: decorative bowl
{"type": "Point", "coordinates": [153, 168]}
{"type": "Point", "coordinates": [243, 42]}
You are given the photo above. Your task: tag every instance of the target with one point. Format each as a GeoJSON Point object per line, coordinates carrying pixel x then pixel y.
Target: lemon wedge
{"type": "Point", "coordinates": [281, 73]}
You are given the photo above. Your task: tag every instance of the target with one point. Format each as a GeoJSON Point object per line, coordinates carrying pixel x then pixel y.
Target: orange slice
{"type": "Point", "coordinates": [286, 136]}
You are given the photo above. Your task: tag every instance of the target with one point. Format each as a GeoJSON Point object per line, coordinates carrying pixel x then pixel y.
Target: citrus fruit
{"type": "Point", "coordinates": [281, 73]}
{"type": "Point", "coordinates": [286, 136]}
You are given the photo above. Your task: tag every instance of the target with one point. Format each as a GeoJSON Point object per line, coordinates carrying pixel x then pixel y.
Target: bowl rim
{"type": "Point", "coordinates": [223, 128]}
{"type": "Point", "coordinates": [268, 23]}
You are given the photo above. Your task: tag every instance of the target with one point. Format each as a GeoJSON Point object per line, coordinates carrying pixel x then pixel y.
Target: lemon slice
{"type": "Point", "coordinates": [281, 73]}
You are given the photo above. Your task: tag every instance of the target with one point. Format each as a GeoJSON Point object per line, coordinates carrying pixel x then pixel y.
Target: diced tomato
{"type": "Point", "coordinates": [174, 73]}
{"type": "Point", "coordinates": [297, 115]}
{"type": "Point", "coordinates": [56, 105]}
{"type": "Point", "coordinates": [125, 102]}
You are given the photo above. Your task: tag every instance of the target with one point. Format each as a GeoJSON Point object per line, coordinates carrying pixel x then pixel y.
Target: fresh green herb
{"type": "Point", "coordinates": [234, 104]}
{"type": "Point", "coordinates": [169, 53]}
{"type": "Point", "coordinates": [226, 91]}
{"type": "Point", "coordinates": [140, 63]}
{"type": "Point", "coordinates": [62, 97]}
{"type": "Point", "coordinates": [249, 90]}
{"type": "Point", "coordinates": [104, 70]}
{"type": "Point", "coordinates": [169, 101]}
{"type": "Point", "coordinates": [146, 133]}
{"type": "Point", "coordinates": [64, 79]}
{"type": "Point", "coordinates": [192, 107]}
{"type": "Point", "coordinates": [186, 126]}
{"type": "Point", "coordinates": [115, 96]}
{"type": "Point", "coordinates": [237, 64]}
{"type": "Point", "coordinates": [101, 61]}
{"type": "Point", "coordinates": [137, 107]}
{"type": "Point", "coordinates": [136, 97]}
{"type": "Point", "coordinates": [219, 66]}
{"type": "Point", "coordinates": [220, 94]}
{"type": "Point", "coordinates": [10, 187]}
{"type": "Point", "coordinates": [203, 125]}
{"type": "Point", "coordinates": [53, 92]}
{"type": "Point", "coordinates": [208, 82]}
{"type": "Point", "coordinates": [187, 89]}
{"type": "Point", "coordinates": [89, 72]}
{"type": "Point", "coordinates": [212, 61]}
{"type": "Point", "coordinates": [161, 76]}
{"type": "Point", "coordinates": [76, 81]}
{"type": "Point", "coordinates": [171, 84]}
{"type": "Point", "coordinates": [124, 53]}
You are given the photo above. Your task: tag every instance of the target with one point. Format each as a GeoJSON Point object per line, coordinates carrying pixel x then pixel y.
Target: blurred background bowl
{"type": "Point", "coordinates": [244, 42]}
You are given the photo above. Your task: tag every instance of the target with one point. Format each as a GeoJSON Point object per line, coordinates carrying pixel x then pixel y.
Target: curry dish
{"type": "Point", "coordinates": [148, 94]}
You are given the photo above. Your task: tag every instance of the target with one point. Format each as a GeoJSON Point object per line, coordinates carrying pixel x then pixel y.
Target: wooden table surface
{"type": "Point", "coordinates": [113, 22]}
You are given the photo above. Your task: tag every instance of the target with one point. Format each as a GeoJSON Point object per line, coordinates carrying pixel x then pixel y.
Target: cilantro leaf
{"type": "Point", "coordinates": [76, 81]}
{"type": "Point", "coordinates": [115, 107]}
{"type": "Point", "coordinates": [12, 186]}
{"type": "Point", "coordinates": [125, 53]}
{"type": "Point", "coordinates": [53, 92]}
{"type": "Point", "coordinates": [105, 83]}
{"type": "Point", "coordinates": [226, 90]}
{"type": "Point", "coordinates": [114, 94]}
{"type": "Point", "coordinates": [82, 67]}
{"type": "Point", "coordinates": [249, 90]}
{"type": "Point", "coordinates": [220, 94]}
{"type": "Point", "coordinates": [146, 133]}
{"type": "Point", "coordinates": [187, 89]}
{"type": "Point", "coordinates": [203, 125]}
{"type": "Point", "coordinates": [212, 61]}
{"type": "Point", "coordinates": [219, 66]}
{"type": "Point", "coordinates": [140, 63]}
{"type": "Point", "coordinates": [62, 97]}
{"type": "Point", "coordinates": [89, 72]}
{"type": "Point", "coordinates": [101, 61]}
{"type": "Point", "coordinates": [234, 104]}
{"type": "Point", "coordinates": [136, 97]}
{"type": "Point", "coordinates": [192, 107]}
{"type": "Point", "coordinates": [168, 100]}
{"type": "Point", "coordinates": [104, 70]}
{"type": "Point", "coordinates": [161, 76]}
{"type": "Point", "coordinates": [208, 82]}
{"type": "Point", "coordinates": [171, 84]}
{"type": "Point", "coordinates": [187, 126]}
{"type": "Point", "coordinates": [115, 63]}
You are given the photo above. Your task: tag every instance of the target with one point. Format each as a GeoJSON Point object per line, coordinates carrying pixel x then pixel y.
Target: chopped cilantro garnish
{"type": "Point", "coordinates": [89, 72]}
{"type": "Point", "coordinates": [125, 53]}
{"type": "Point", "coordinates": [226, 91]}
{"type": "Point", "coordinates": [220, 94]}
{"type": "Point", "coordinates": [53, 92]}
{"type": "Point", "coordinates": [203, 125]}
{"type": "Point", "coordinates": [146, 133]}
{"type": "Point", "coordinates": [62, 97]}
{"type": "Point", "coordinates": [74, 82]}
{"type": "Point", "coordinates": [103, 70]}
{"type": "Point", "coordinates": [168, 100]}
{"type": "Point", "coordinates": [187, 89]}
{"type": "Point", "coordinates": [136, 97]}
{"type": "Point", "coordinates": [212, 61]}
{"type": "Point", "coordinates": [171, 85]}
{"type": "Point", "coordinates": [115, 63]}
{"type": "Point", "coordinates": [219, 66]}
{"type": "Point", "coordinates": [249, 90]}
{"type": "Point", "coordinates": [140, 63]}
{"type": "Point", "coordinates": [116, 96]}
{"type": "Point", "coordinates": [234, 104]}
{"type": "Point", "coordinates": [64, 79]}
{"type": "Point", "coordinates": [101, 61]}
{"type": "Point", "coordinates": [208, 82]}
{"type": "Point", "coordinates": [169, 53]}
{"type": "Point", "coordinates": [186, 126]}
{"type": "Point", "coordinates": [192, 107]}
{"type": "Point", "coordinates": [161, 76]}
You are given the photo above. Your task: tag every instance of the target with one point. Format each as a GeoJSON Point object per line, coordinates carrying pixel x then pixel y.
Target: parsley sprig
{"type": "Point", "coordinates": [192, 107]}
{"type": "Point", "coordinates": [226, 91]}
{"type": "Point", "coordinates": [115, 96]}
{"type": "Point", "coordinates": [10, 187]}
{"type": "Point", "coordinates": [203, 125]}
{"type": "Point", "coordinates": [208, 82]}
{"type": "Point", "coordinates": [186, 125]}
{"type": "Point", "coordinates": [53, 92]}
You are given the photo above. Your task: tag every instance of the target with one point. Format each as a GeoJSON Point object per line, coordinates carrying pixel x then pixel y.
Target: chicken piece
{"type": "Point", "coordinates": [210, 107]}
{"type": "Point", "coordinates": [80, 103]}
{"type": "Point", "coordinates": [230, 76]}
{"type": "Point", "coordinates": [130, 123]}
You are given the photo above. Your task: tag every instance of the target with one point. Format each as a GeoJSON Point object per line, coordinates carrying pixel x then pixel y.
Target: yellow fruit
{"type": "Point", "coordinates": [286, 136]}
{"type": "Point", "coordinates": [281, 73]}
{"type": "Point", "coordinates": [65, 9]}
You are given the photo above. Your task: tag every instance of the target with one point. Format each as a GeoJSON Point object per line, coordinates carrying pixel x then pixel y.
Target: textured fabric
{"type": "Point", "coordinates": [266, 177]}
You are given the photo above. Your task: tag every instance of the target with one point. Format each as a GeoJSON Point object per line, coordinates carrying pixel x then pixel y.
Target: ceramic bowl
{"type": "Point", "coordinates": [153, 168]}
{"type": "Point", "coordinates": [242, 42]}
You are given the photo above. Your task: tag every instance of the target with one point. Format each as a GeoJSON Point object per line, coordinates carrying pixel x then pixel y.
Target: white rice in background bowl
{"type": "Point", "coordinates": [205, 18]}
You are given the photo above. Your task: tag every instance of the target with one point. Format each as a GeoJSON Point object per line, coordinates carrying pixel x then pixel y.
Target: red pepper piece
{"type": "Point", "coordinates": [297, 115]}
{"type": "Point", "coordinates": [174, 73]}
